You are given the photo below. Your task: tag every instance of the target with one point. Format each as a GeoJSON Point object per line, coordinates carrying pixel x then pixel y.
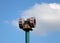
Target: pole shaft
{"type": "Point", "coordinates": [26, 36]}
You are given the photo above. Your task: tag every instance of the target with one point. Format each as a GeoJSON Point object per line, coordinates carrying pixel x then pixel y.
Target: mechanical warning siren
{"type": "Point", "coordinates": [27, 24]}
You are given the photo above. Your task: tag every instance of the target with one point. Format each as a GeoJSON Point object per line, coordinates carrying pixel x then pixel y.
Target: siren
{"type": "Point", "coordinates": [21, 21]}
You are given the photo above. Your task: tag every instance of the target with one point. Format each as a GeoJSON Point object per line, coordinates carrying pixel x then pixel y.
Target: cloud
{"type": "Point", "coordinates": [15, 23]}
{"type": "Point", "coordinates": [55, 6]}
{"type": "Point", "coordinates": [47, 16]}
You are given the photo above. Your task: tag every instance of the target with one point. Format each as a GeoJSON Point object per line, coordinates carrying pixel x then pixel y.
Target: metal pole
{"type": "Point", "coordinates": [26, 36]}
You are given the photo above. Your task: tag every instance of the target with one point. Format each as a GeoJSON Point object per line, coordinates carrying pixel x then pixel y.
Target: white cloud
{"type": "Point", "coordinates": [55, 6]}
{"type": "Point", "coordinates": [15, 23]}
{"type": "Point", "coordinates": [47, 16]}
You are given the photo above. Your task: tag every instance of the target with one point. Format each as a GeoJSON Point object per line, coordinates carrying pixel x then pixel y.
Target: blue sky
{"type": "Point", "coordinates": [11, 10]}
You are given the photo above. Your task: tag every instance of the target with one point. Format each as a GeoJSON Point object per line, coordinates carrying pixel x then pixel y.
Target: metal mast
{"type": "Point", "coordinates": [27, 26]}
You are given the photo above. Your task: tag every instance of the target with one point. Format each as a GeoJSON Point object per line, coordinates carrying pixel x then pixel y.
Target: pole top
{"type": "Point", "coordinates": [27, 24]}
